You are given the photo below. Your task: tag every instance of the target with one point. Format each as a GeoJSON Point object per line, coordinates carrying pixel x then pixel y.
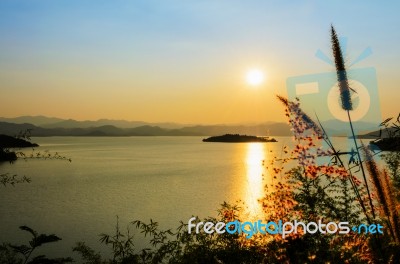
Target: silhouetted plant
{"type": "Point", "coordinates": [345, 96]}
{"type": "Point", "coordinates": [389, 135]}
{"type": "Point", "coordinates": [309, 195]}
{"type": "Point", "coordinates": [10, 253]}
{"type": "Point", "coordinates": [312, 191]}
{"type": "Point", "coordinates": [88, 255]}
{"type": "Point", "coordinates": [12, 179]}
{"type": "Point", "coordinates": [22, 254]}
{"type": "Point", "coordinates": [8, 256]}
{"type": "Point", "coordinates": [122, 245]}
{"type": "Point", "coordinates": [383, 189]}
{"type": "Point", "coordinates": [392, 159]}
{"type": "Point", "coordinates": [167, 246]}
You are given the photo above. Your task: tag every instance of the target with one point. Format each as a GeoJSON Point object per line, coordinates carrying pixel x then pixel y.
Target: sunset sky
{"type": "Point", "coordinates": [181, 61]}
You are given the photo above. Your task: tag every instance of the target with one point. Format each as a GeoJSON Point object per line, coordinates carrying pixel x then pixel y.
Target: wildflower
{"type": "Point", "coordinates": [299, 121]}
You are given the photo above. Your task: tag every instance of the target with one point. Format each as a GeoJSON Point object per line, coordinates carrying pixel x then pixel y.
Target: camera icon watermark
{"type": "Point", "coordinates": [320, 95]}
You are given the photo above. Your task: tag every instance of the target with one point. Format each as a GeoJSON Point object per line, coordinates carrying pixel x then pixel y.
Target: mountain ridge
{"type": "Point", "coordinates": [51, 126]}
{"type": "Point", "coordinates": [145, 130]}
{"type": "Point", "coordinates": [54, 122]}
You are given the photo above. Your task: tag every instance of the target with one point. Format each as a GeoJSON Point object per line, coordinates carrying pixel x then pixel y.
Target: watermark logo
{"type": "Point", "coordinates": [280, 227]}
{"type": "Point", "coordinates": [319, 93]}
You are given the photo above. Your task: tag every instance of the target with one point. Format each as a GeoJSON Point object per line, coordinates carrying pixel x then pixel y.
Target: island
{"type": "Point", "coordinates": [387, 144]}
{"type": "Point", "coordinates": [7, 142]}
{"type": "Point", "coordinates": [235, 138]}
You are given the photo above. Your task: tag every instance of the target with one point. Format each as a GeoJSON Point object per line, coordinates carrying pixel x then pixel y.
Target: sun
{"type": "Point", "coordinates": [255, 77]}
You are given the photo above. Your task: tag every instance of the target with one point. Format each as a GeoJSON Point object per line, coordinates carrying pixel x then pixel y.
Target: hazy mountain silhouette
{"type": "Point", "coordinates": [378, 134]}
{"type": "Point", "coordinates": [340, 128]}
{"type": "Point", "coordinates": [45, 126]}
{"type": "Point", "coordinates": [276, 129]}
{"type": "Point", "coordinates": [12, 129]}
{"type": "Point", "coordinates": [51, 122]}
{"type": "Point", "coordinates": [34, 120]}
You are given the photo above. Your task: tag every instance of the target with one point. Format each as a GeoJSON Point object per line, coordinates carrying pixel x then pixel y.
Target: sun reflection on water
{"type": "Point", "coordinates": [254, 190]}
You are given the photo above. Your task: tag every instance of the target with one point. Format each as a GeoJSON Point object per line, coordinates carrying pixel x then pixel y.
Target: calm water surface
{"type": "Point", "coordinates": [166, 179]}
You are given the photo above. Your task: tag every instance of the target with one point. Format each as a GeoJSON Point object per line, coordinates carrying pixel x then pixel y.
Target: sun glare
{"type": "Point", "coordinates": [254, 77]}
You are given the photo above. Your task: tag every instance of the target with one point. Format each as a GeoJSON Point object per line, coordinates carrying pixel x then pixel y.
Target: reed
{"type": "Point", "coordinates": [384, 192]}
{"type": "Point", "coordinates": [347, 104]}
{"type": "Point", "coordinates": [341, 72]}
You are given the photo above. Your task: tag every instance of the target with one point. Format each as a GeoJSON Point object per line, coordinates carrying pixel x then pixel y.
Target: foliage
{"type": "Point", "coordinates": [8, 179]}
{"type": "Point", "coordinates": [8, 256]}
{"type": "Point", "coordinates": [12, 179]}
{"type": "Point", "coordinates": [22, 254]}
{"type": "Point", "coordinates": [389, 135]}
{"type": "Point", "coordinates": [391, 131]}
{"type": "Point", "coordinates": [175, 247]}
{"type": "Point", "coordinates": [392, 160]}
{"type": "Point", "coordinates": [88, 254]}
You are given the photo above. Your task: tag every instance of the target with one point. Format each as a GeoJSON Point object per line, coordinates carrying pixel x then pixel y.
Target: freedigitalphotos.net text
{"type": "Point", "coordinates": [280, 227]}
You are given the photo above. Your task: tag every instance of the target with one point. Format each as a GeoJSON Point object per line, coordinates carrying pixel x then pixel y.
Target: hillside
{"type": "Point", "coordinates": [52, 122]}
{"type": "Point", "coordinates": [274, 129]}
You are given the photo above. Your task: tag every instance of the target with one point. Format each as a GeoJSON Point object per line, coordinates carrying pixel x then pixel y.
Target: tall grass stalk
{"type": "Point", "coordinates": [384, 193]}
{"type": "Point", "coordinates": [336, 154]}
{"type": "Point", "coordinates": [303, 122]}
{"type": "Point", "coordinates": [347, 104]}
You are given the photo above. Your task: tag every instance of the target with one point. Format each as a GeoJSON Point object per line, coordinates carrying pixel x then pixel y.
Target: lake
{"type": "Point", "coordinates": [166, 179]}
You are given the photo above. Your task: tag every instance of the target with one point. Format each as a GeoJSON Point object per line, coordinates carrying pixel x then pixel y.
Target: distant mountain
{"type": "Point", "coordinates": [378, 134]}
{"type": "Point", "coordinates": [107, 130]}
{"type": "Point", "coordinates": [52, 122]}
{"type": "Point", "coordinates": [47, 126]}
{"type": "Point", "coordinates": [275, 129]}
{"type": "Point", "coordinates": [35, 120]}
{"type": "Point", "coordinates": [340, 128]}
{"type": "Point", "coordinates": [70, 123]}
{"type": "Point", "coordinates": [13, 129]}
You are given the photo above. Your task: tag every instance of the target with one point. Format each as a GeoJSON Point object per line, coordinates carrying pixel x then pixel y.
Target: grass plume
{"type": "Point", "coordinates": [346, 101]}
{"type": "Point", "coordinates": [341, 72]}
{"type": "Point", "coordinates": [384, 193]}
